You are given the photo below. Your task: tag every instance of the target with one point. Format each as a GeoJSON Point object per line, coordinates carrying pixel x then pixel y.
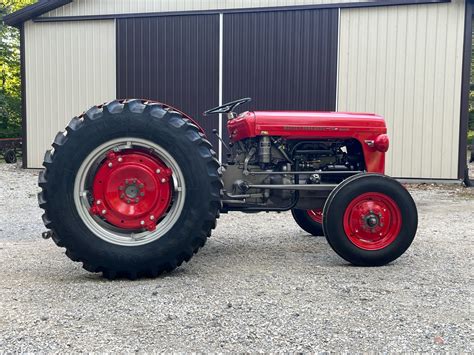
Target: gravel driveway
{"type": "Point", "coordinates": [260, 284]}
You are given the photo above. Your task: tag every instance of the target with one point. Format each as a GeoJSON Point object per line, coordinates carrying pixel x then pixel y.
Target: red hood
{"type": "Point", "coordinates": [295, 119]}
{"type": "Point", "coordinates": [300, 124]}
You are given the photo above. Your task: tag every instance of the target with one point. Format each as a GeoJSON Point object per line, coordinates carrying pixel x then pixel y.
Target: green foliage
{"type": "Point", "coordinates": [470, 137]}
{"type": "Point", "coordinates": [10, 80]}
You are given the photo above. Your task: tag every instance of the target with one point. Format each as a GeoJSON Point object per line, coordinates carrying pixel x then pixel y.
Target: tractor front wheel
{"type": "Point", "coordinates": [311, 221]}
{"type": "Point", "coordinates": [370, 219]}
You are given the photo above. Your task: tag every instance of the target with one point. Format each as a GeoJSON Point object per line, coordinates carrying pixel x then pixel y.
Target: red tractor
{"type": "Point", "coordinates": [133, 188]}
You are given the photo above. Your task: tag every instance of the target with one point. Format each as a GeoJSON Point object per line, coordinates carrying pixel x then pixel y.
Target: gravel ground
{"type": "Point", "coordinates": [260, 284]}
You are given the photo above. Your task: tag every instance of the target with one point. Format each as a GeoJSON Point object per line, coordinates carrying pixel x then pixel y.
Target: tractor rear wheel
{"type": "Point", "coordinates": [131, 189]}
{"type": "Point", "coordinates": [310, 221]}
{"type": "Point", "coordinates": [370, 219]}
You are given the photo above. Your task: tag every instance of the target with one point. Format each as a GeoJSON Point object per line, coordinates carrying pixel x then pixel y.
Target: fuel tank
{"type": "Point", "coordinates": [305, 125]}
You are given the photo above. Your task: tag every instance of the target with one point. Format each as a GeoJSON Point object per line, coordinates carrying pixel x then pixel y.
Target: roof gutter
{"type": "Point", "coordinates": [37, 9]}
{"type": "Point", "coordinates": [33, 12]}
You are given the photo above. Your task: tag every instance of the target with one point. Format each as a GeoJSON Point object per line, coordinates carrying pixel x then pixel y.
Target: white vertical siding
{"type": "Point", "coordinates": [69, 67]}
{"type": "Point", "coordinates": [101, 7]}
{"type": "Point", "coordinates": [405, 63]}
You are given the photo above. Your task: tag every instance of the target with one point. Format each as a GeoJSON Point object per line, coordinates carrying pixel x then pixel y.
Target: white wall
{"type": "Point", "coordinates": [405, 63]}
{"type": "Point", "coordinates": [101, 7]}
{"type": "Point", "coordinates": [69, 67]}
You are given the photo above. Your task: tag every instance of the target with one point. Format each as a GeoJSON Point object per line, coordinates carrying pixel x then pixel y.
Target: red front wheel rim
{"type": "Point", "coordinates": [316, 215]}
{"type": "Point", "coordinates": [372, 221]}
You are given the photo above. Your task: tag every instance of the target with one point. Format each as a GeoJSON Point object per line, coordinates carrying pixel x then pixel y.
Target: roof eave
{"type": "Point", "coordinates": [29, 12]}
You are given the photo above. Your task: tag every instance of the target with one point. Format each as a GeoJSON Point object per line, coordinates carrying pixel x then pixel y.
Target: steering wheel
{"type": "Point", "coordinates": [227, 108]}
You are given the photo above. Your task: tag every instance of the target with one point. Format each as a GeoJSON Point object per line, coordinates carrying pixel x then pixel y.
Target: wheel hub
{"type": "Point", "coordinates": [132, 190]}
{"type": "Point", "coordinates": [372, 221]}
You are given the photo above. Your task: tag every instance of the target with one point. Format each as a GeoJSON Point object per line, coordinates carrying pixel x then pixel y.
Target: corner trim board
{"type": "Point", "coordinates": [463, 173]}
{"type": "Point", "coordinates": [221, 81]}
{"type": "Point", "coordinates": [24, 143]}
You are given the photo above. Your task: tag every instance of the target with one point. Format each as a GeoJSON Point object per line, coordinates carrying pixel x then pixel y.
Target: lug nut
{"type": "Point", "coordinates": [98, 202]}
{"type": "Point", "coordinates": [163, 180]}
{"type": "Point", "coordinates": [110, 165]}
{"type": "Point", "coordinates": [137, 200]}
{"type": "Point", "coordinates": [128, 201]}
{"type": "Point", "coordinates": [152, 217]}
{"type": "Point", "coordinates": [158, 171]}
{"type": "Point", "coordinates": [122, 196]}
{"type": "Point", "coordinates": [104, 211]}
{"type": "Point", "coordinates": [141, 186]}
{"type": "Point", "coordinates": [142, 194]}
{"type": "Point", "coordinates": [121, 187]}
{"type": "Point", "coordinates": [142, 223]}
{"type": "Point", "coordinates": [120, 159]}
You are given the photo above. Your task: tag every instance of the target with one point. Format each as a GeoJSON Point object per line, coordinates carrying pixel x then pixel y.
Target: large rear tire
{"type": "Point", "coordinates": [370, 219]}
{"type": "Point", "coordinates": [162, 212]}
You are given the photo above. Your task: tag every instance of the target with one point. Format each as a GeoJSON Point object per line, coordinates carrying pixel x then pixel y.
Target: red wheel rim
{"type": "Point", "coordinates": [316, 215]}
{"type": "Point", "coordinates": [132, 190]}
{"type": "Point", "coordinates": [372, 221]}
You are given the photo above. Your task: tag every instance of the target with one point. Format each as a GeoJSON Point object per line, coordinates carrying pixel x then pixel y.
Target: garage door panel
{"type": "Point", "coordinates": [284, 60]}
{"type": "Point", "coordinates": [171, 59]}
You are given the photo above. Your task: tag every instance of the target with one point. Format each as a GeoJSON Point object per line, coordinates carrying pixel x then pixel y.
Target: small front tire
{"type": "Point", "coordinates": [370, 219]}
{"type": "Point", "coordinates": [310, 221]}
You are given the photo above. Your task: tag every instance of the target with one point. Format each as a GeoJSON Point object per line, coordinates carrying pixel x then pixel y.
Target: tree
{"type": "Point", "coordinates": [10, 79]}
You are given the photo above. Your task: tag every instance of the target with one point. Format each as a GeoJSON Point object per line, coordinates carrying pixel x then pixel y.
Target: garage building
{"type": "Point", "coordinates": [408, 60]}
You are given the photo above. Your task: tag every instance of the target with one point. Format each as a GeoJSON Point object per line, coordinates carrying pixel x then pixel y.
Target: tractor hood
{"type": "Point", "coordinates": [299, 124]}
{"type": "Point", "coordinates": [292, 120]}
